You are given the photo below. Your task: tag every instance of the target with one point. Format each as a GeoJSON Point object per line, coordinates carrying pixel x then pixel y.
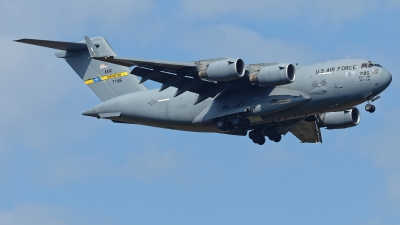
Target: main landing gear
{"type": "Point", "coordinates": [257, 136]}
{"type": "Point", "coordinates": [226, 124]}
{"type": "Point", "coordinates": [370, 108]}
{"type": "Point", "coordinates": [241, 122]}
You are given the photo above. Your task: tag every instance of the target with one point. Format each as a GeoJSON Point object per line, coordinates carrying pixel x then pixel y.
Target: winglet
{"type": "Point", "coordinates": [94, 52]}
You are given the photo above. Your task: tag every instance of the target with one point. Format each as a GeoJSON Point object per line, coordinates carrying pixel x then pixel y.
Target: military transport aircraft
{"type": "Point", "coordinates": [223, 95]}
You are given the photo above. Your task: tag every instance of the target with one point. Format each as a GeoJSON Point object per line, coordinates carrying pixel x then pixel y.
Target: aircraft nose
{"type": "Point", "coordinates": [386, 78]}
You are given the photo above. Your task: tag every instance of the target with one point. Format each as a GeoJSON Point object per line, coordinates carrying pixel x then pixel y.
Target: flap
{"type": "Point", "coordinates": [307, 132]}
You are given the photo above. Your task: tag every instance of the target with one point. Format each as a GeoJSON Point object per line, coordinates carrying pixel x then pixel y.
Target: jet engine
{"type": "Point", "coordinates": [340, 120]}
{"type": "Point", "coordinates": [224, 70]}
{"type": "Point", "coordinates": [275, 75]}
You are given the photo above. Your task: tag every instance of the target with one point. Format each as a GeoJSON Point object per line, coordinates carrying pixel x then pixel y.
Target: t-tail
{"type": "Point", "coordinates": [106, 80]}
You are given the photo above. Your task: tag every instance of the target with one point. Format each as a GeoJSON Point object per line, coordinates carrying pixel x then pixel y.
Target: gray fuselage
{"type": "Point", "coordinates": [319, 88]}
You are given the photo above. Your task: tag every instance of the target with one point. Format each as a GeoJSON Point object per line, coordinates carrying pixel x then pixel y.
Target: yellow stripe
{"type": "Point", "coordinates": [115, 75]}
{"type": "Point", "coordinates": [107, 77]}
{"type": "Point", "coordinates": [89, 81]}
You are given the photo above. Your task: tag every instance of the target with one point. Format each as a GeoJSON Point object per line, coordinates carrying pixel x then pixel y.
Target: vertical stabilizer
{"type": "Point", "coordinates": [106, 80]}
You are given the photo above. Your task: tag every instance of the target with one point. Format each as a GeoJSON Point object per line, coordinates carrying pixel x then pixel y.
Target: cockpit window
{"type": "Point", "coordinates": [369, 64]}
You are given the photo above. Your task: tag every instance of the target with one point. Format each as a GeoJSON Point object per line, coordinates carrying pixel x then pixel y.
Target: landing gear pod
{"type": "Point", "coordinates": [340, 120]}
{"type": "Point", "coordinates": [224, 70]}
{"type": "Point", "coordinates": [275, 75]}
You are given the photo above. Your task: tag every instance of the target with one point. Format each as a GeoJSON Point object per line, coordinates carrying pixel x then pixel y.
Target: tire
{"type": "Point", "coordinates": [256, 139]}
{"type": "Point", "coordinates": [237, 121]}
{"type": "Point", "coordinates": [277, 137]}
{"type": "Point", "coordinates": [373, 108]}
{"type": "Point", "coordinates": [221, 124]}
{"type": "Point", "coordinates": [246, 123]}
{"type": "Point", "coordinates": [229, 126]}
{"type": "Point", "coordinates": [252, 135]}
{"type": "Point", "coordinates": [368, 107]}
{"type": "Point", "coordinates": [267, 133]}
{"type": "Point", "coordinates": [261, 140]}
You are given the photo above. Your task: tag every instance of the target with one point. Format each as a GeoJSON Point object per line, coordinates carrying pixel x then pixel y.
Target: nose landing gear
{"type": "Point", "coordinates": [370, 108]}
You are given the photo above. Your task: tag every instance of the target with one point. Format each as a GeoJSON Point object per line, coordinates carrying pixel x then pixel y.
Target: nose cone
{"type": "Point", "coordinates": [386, 78]}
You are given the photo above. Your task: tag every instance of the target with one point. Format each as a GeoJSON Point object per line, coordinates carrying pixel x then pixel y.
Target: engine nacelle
{"type": "Point", "coordinates": [224, 70]}
{"type": "Point", "coordinates": [340, 120]}
{"type": "Point", "coordinates": [275, 75]}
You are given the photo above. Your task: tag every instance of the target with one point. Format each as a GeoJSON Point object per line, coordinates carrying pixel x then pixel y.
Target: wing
{"type": "Point", "coordinates": [307, 132]}
{"type": "Point", "coordinates": [171, 66]}
{"type": "Point", "coordinates": [182, 75]}
{"type": "Point", "coordinates": [182, 82]}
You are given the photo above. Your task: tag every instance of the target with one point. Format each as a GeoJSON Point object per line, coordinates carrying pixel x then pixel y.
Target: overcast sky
{"type": "Point", "coordinates": [58, 167]}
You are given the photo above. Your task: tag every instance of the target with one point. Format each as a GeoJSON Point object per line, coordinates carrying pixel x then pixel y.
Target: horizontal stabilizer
{"type": "Point", "coordinates": [60, 45]}
{"type": "Point", "coordinates": [94, 52]}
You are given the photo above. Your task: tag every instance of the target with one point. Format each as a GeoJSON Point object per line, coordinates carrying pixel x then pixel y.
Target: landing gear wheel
{"type": "Point", "coordinates": [255, 140]}
{"type": "Point", "coordinates": [246, 123]}
{"type": "Point", "coordinates": [221, 124]}
{"type": "Point", "coordinates": [261, 140]}
{"type": "Point", "coordinates": [257, 137]}
{"type": "Point", "coordinates": [278, 138]}
{"type": "Point", "coordinates": [252, 135]}
{"type": "Point", "coordinates": [370, 108]}
{"type": "Point", "coordinates": [229, 126]}
{"type": "Point", "coordinates": [275, 137]}
{"type": "Point", "coordinates": [237, 121]}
